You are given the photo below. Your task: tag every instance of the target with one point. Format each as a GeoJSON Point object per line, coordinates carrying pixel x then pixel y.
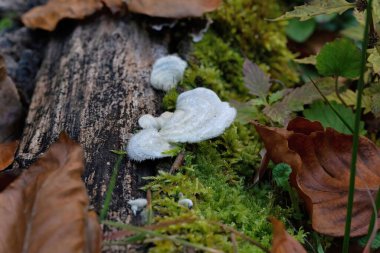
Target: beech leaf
{"type": "Point", "coordinates": [339, 58]}
{"type": "Point", "coordinates": [7, 153]}
{"type": "Point", "coordinates": [46, 208]}
{"type": "Point", "coordinates": [47, 16]}
{"type": "Point", "coordinates": [255, 79]}
{"type": "Point", "coordinates": [320, 160]}
{"type": "Point", "coordinates": [282, 242]}
{"type": "Point", "coordinates": [173, 8]}
{"type": "Point", "coordinates": [317, 7]}
{"type": "Point", "coordinates": [11, 111]}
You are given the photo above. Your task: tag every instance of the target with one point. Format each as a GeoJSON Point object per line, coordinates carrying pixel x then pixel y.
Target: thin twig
{"type": "Point", "coordinates": [149, 206]}
{"type": "Point", "coordinates": [177, 162]}
{"type": "Point", "coordinates": [241, 235]}
{"type": "Point", "coordinates": [161, 236]}
{"type": "Point", "coordinates": [332, 108]}
{"type": "Point", "coordinates": [234, 243]}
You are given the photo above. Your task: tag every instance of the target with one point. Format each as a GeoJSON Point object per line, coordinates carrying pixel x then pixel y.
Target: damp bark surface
{"type": "Point", "coordinates": [93, 83]}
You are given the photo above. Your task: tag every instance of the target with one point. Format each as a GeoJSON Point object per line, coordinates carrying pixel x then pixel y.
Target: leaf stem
{"type": "Point", "coordinates": [332, 108]}
{"type": "Point", "coordinates": [355, 143]}
{"type": "Point", "coordinates": [111, 187]}
{"type": "Point", "coordinates": [337, 92]}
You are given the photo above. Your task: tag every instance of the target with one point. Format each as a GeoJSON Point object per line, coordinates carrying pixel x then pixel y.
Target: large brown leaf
{"type": "Point", "coordinates": [320, 160]}
{"type": "Point", "coordinates": [11, 111]}
{"type": "Point", "coordinates": [282, 242]}
{"type": "Point", "coordinates": [46, 208]}
{"type": "Point", "coordinates": [173, 8]}
{"type": "Point", "coordinates": [7, 153]}
{"type": "Point", "coordinates": [47, 16]}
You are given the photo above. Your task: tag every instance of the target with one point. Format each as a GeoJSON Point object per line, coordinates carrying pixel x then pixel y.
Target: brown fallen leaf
{"type": "Point", "coordinates": [46, 207]}
{"type": "Point", "coordinates": [282, 242]}
{"type": "Point", "coordinates": [47, 16]}
{"type": "Point", "coordinates": [320, 160]}
{"type": "Point", "coordinates": [7, 153]}
{"type": "Point", "coordinates": [173, 8]}
{"type": "Point", "coordinates": [11, 111]}
{"type": "Point", "coordinates": [115, 5]}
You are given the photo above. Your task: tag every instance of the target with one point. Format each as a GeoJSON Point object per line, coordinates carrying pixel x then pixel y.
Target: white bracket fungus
{"type": "Point", "coordinates": [186, 203]}
{"type": "Point", "coordinates": [137, 205]}
{"type": "Point", "coordinates": [167, 72]}
{"type": "Point", "coordinates": [199, 115]}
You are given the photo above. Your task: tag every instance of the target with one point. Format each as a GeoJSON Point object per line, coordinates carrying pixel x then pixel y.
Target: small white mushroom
{"type": "Point", "coordinates": [199, 115]}
{"type": "Point", "coordinates": [147, 144]}
{"type": "Point", "coordinates": [167, 72]}
{"type": "Point", "coordinates": [137, 205]}
{"type": "Point", "coordinates": [186, 203]}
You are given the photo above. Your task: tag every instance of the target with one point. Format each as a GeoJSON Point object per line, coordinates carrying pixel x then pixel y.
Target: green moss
{"type": "Point", "coordinates": [169, 100]}
{"type": "Point", "coordinates": [245, 25]}
{"type": "Point", "coordinates": [206, 180]}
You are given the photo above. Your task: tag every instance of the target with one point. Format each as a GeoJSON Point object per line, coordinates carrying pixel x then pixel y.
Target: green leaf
{"type": "Point", "coordinates": [300, 31]}
{"type": "Point", "coordinates": [281, 173]}
{"type": "Point", "coordinates": [255, 79]}
{"type": "Point", "coordinates": [374, 60]}
{"type": "Point", "coordinates": [375, 243]}
{"type": "Point", "coordinates": [317, 7]}
{"type": "Point", "coordinates": [339, 58]}
{"type": "Point", "coordinates": [322, 112]}
{"type": "Point", "coordinates": [119, 152]}
{"type": "Point", "coordinates": [296, 99]}
{"type": "Point", "coordinates": [312, 59]}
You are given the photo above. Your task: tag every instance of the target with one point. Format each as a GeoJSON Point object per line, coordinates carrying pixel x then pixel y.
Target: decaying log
{"type": "Point", "coordinates": [93, 83]}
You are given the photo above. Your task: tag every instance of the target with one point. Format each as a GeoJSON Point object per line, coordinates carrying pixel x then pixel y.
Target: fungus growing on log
{"type": "Point", "coordinates": [200, 115]}
{"type": "Point", "coordinates": [167, 72]}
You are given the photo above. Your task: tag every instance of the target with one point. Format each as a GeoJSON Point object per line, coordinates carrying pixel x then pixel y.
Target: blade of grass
{"type": "Point", "coordinates": [355, 143]}
{"type": "Point", "coordinates": [161, 236]}
{"type": "Point", "coordinates": [332, 108]}
{"type": "Point", "coordinates": [111, 186]}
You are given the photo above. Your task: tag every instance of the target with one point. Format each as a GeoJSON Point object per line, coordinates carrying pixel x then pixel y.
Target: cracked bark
{"type": "Point", "coordinates": [93, 83]}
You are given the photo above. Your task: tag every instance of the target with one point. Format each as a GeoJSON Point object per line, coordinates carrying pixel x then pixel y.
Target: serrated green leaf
{"type": "Point", "coordinates": [255, 79]}
{"type": "Point", "coordinates": [375, 243]}
{"type": "Point", "coordinates": [374, 60]}
{"type": "Point", "coordinates": [295, 100]}
{"type": "Point", "coordinates": [281, 173]}
{"type": "Point", "coordinates": [339, 58]}
{"type": "Point", "coordinates": [312, 59]}
{"type": "Point", "coordinates": [300, 31]}
{"type": "Point", "coordinates": [322, 112]}
{"type": "Point", "coordinates": [315, 8]}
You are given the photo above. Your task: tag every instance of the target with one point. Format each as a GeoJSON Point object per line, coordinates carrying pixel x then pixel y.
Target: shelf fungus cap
{"type": "Point", "coordinates": [147, 144]}
{"type": "Point", "coordinates": [167, 72]}
{"type": "Point", "coordinates": [137, 205]}
{"type": "Point", "coordinates": [200, 115]}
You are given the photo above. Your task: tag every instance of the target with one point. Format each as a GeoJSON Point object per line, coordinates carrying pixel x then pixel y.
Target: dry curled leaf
{"type": "Point", "coordinates": [282, 242]}
{"type": "Point", "coordinates": [173, 8]}
{"type": "Point", "coordinates": [7, 153]}
{"type": "Point", "coordinates": [11, 110]}
{"type": "Point", "coordinates": [320, 160]}
{"type": "Point", "coordinates": [46, 206]}
{"type": "Point", "coordinates": [47, 16]}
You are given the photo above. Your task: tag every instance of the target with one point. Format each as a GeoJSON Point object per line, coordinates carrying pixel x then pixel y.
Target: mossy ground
{"type": "Point", "coordinates": [217, 173]}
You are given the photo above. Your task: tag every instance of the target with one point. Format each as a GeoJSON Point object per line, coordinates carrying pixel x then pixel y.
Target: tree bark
{"type": "Point", "coordinates": [94, 84]}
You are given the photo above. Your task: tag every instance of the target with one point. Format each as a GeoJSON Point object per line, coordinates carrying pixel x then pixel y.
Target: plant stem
{"type": "Point", "coordinates": [337, 92]}
{"type": "Point", "coordinates": [374, 216]}
{"type": "Point", "coordinates": [332, 108]}
{"type": "Point", "coordinates": [355, 143]}
{"type": "Point", "coordinates": [111, 187]}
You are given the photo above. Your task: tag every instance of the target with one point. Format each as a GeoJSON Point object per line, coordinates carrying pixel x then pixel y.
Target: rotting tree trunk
{"type": "Point", "coordinates": [94, 84]}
